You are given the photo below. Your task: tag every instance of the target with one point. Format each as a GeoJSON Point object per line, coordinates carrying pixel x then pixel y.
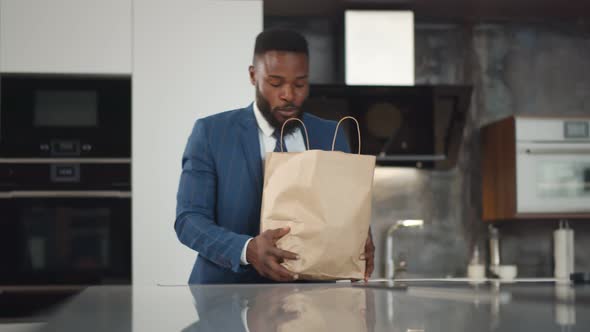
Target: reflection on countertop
{"type": "Point", "coordinates": [329, 307]}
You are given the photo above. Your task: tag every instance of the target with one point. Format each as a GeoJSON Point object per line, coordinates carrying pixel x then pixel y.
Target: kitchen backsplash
{"type": "Point", "coordinates": [536, 69]}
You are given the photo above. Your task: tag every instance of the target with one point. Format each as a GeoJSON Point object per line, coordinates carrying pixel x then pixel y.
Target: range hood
{"type": "Point", "coordinates": [411, 126]}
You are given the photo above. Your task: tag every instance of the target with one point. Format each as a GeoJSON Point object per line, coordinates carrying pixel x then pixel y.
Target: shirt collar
{"type": "Point", "coordinates": [266, 127]}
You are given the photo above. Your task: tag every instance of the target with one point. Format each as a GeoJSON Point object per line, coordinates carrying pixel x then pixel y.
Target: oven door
{"type": "Point", "coordinates": [553, 177]}
{"type": "Point", "coordinates": [65, 116]}
{"type": "Point", "coordinates": [65, 237]}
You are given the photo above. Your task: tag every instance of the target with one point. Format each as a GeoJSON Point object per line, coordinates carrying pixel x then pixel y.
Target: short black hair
{"type": "Point", "coordinates": [279, 39]}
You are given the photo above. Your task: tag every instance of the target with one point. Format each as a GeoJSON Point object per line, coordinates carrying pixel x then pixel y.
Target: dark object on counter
{"type": "Point", "coordinates": [580, 278]}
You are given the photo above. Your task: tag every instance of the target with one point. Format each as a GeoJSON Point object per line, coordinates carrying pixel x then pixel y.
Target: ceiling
{"type": "Point", "coordinates": [464, 10]}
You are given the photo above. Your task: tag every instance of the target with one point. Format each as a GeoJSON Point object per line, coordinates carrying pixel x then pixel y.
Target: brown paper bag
{"type": "Point", "coordinates": [325, 198]}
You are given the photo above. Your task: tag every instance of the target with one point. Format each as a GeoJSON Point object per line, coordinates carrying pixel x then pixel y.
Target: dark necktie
{"type": "Point", "coordinates": [277, 135]}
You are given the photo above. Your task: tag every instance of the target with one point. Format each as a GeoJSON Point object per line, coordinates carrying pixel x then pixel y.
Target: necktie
{"type": "Point", "coordinates": [277, 135]}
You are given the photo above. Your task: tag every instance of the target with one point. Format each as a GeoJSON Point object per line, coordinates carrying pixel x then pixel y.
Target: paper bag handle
{"type": "Point", "coordinates": [358, 130]}
{"type": "Point", "coordinates": [304, 129]}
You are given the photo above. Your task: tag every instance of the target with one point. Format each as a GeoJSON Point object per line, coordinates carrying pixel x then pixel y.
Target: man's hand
{"type": "Point", "coordinates": [263, 254]}
{"type": "Point", "coordinates": [369, 256]}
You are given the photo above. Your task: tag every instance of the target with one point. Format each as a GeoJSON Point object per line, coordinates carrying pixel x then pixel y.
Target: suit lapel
{"type": "Point", "coordinates": [250, 143]}
{"type": "Point", "coordinates": [251, 146]}
{"type": "Point", "coordinates": [313, 133]}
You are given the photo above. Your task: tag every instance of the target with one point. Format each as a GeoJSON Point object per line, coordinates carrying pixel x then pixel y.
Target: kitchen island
{"type": "Point", "coordinates": [407, 306]}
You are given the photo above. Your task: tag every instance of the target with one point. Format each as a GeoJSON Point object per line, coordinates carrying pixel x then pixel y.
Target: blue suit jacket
{"type": "Point", "coordinates": [220, 191]}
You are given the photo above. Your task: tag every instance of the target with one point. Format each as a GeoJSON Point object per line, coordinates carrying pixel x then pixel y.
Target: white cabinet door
{"type": "Point", "coordinates": [190, 60]}
{"type": "Point", "coordinates": [65, 36]}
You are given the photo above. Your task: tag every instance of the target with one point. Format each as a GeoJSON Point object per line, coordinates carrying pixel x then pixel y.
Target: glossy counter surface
{"type": "Point", "coordinates": [329, 307]}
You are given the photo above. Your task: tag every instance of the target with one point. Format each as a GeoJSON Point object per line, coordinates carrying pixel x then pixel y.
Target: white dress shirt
{"type": "Point", "coordinates": [293, 141]}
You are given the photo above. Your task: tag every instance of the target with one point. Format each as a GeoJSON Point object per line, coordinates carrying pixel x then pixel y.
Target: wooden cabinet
{"type": "Point", "coordinates": [499, 170]}
{"type": "Point", "coordinates": [536, 168]}
{"type": "Point", "coordinates": [65, 36]}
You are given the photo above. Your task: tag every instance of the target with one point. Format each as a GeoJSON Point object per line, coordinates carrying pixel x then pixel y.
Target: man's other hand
{"type": "Point", "coordinates": [369, 256]}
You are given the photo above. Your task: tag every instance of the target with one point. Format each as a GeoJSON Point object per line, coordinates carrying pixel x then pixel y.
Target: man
{"type": "Point", "coordinates": [218, 202]}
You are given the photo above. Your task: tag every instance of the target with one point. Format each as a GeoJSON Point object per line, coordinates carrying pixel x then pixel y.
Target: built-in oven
{"type": "Point", "coordinates": [553, 165]}
{"type": "Point", "coordinates": [65, 222]}
{"type": "Point", "coordinates": [44, 115]}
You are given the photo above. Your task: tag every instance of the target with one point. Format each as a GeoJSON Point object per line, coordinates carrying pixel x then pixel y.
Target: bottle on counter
{"type": "Point", "coordinates": [563, 251]}
{"type": "Point", "coordinates": [475, 269]}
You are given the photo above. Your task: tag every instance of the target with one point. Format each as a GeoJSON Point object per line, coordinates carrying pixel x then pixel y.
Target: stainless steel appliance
{"type": "Point", "coordinates": [553, 165]}
{"type": "Point", "coordinates": [65, 116]}
{"type": "Point", "coordinates": [65, 184]}
{"type": "Point", "coordinates": [65, 223]}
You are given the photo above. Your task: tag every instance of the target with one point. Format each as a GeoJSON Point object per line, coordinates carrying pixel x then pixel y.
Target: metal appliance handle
{"type": "Point", "coordinates": [554, 151]}
{"type": "Point", "coordinates": [64, 194]}
{"type": "Point", "coordinates": [65, 160]}
{"type": "Point", "coordinates": [412, 157]}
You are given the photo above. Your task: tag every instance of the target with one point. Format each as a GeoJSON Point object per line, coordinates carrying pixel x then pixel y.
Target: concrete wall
{"type": "Point", "coordinates": [515, 69]}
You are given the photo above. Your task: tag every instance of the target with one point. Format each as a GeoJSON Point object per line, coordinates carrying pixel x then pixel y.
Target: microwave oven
{"type": "Point", "coordinates": [72, 116]}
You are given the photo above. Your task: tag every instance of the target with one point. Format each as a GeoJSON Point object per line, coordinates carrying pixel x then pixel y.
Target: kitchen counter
{"type": "Point", "coordinates": [410, 306]}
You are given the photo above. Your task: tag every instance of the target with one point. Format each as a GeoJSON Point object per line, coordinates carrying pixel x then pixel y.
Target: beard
{"type": "Point", "coordinates": [267, 113]}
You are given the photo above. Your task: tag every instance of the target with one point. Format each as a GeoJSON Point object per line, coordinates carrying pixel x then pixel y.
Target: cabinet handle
{"type": "Point", "coordinates": [555, 151]}
{"type": "Point", "coordinates": [65, 160]}
{"type": "Point", "coordinates": [64, 194]}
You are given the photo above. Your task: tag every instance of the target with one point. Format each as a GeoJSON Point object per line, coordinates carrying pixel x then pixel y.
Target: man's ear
{"type": "Point", "coordinates": [252, 72]}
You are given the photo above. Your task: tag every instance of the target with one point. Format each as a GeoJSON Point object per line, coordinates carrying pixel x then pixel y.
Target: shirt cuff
{"type": "Point", "coordinates": [243, 260]}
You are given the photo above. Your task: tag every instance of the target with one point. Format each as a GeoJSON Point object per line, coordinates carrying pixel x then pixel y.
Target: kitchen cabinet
{"type": "Point", "coordinates": [65, 36]}
{"type": "Point", "coordinates": [190, 60]}
{"type": "Point", "coordinates": [536, 168]}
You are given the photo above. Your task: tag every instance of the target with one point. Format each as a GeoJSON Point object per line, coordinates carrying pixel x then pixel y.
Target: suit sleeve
{"type": "Point", "coordinates": [195, 223]}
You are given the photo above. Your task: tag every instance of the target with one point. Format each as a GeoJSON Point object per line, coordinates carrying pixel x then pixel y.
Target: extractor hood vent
{"type": "Point", "coordinates": [414, 126]}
